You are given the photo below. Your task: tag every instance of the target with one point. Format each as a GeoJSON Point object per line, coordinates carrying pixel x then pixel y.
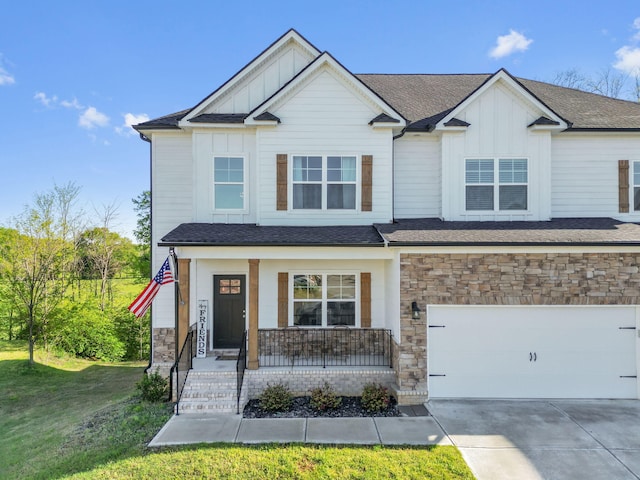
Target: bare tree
{"type": "Point", "coordinates": [604, 82]}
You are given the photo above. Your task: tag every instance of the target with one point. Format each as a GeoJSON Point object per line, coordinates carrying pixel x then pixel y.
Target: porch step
{"type": "Point", "coordinates": [210, 392]}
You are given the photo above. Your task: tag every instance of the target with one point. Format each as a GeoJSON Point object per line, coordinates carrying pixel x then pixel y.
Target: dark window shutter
{"type": "Point", "coordinates": [365, 300]}
{"type": "Point", "coordinates": [367, 182]}
{"type": "Point", "coordinates": [281, 181]}
{"type": "Point", "coordinates": [283, 299]}
{"type": "Point", "coordinates": [623, 186]}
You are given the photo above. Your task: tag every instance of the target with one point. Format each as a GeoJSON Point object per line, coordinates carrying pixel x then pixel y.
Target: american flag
{"type": "Point", "coordinates": [143, 301]}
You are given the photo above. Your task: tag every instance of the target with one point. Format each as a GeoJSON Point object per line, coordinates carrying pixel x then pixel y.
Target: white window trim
{"type": "Point", "coordinates": [324, 183]}
{"type": "Point", "coordinates": [324, 299]}
{"type": "Point", "coordinates": [496, 185]}
{"type": "Point", "coordinates": [245, 182]}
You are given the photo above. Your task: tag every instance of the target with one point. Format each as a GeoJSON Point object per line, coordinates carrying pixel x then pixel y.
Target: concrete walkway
{"type": "Point", "coordinates": [208, 428]}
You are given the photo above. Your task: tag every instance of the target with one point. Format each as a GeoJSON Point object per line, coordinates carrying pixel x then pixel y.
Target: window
{"type": "Point", "coordinates": [324, 183]}
{"type": "Point", "coordinates": [228, 183]}
{"type": "Point", "coordinates": [324, 300]}
{"type": "Point", "coordinates": [636, 186]}
{"type": "Point", "coordinates": [484, 190]}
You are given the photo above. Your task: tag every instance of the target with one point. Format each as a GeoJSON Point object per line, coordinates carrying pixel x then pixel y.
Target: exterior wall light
{"type": "Point", "coordinates": [415, 310]}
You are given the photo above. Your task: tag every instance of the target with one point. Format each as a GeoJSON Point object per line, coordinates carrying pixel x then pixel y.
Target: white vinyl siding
{"type": "Point", "coordinates": [584, 175]}
{"type": "Point", "coordinates": [417, 177]}
{"type": "Point", "coordinates": [172, 204]}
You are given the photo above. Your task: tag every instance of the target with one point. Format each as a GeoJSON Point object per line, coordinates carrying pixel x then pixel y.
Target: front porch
{"type": "Point", "coordinates": [301, 358]}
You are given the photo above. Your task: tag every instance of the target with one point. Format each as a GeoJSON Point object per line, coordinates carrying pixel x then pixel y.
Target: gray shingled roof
{"type": "Point", "coordinates": [216, 234]}
{"type": "Point", "coordinates": [559, 231]}
{"type": "Point", "coordinates": [421, 97]}
{"type": "Point", "coordinates": [426, 99]}
{"type": "Point", "coordinates": [220, 118]}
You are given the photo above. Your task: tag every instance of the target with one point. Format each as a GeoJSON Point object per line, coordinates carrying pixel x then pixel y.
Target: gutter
{"type": "Point", "coordinates": [514, 244]}
{"type": "Point", "coordinates": [258, 244]}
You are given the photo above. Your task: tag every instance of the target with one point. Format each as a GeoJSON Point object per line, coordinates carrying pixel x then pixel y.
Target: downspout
{"type": "Point", "coordinates": [147, 139]}
{"type": "Point", "coordinates": [393, 178]}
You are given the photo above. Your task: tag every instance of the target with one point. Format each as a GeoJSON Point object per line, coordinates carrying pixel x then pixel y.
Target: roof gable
{"type": "Point", "coordinates": [262, 76]}
{"type": "Point", "coordinates": [503, 78]}
{"type": "Point", "coordinates": [326, 62]}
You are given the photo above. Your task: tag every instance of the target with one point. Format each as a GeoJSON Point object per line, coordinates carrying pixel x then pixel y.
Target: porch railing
{"type": "Point", "coordinates": [241, 365]}
{"type": "Point", "coordinates": [183, 364]}
{"type": "Point", "coordinates": [326, 347]}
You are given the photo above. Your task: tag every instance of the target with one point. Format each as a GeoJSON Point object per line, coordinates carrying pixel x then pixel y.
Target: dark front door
{"type": "Point", "coordinates": [228, 310]}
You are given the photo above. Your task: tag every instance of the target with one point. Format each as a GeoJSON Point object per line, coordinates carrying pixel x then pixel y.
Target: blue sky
{"type": "Point", "coordinates": [74, 74]}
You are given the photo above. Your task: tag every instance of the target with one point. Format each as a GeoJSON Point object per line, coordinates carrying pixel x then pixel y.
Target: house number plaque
{"type": "Point", "coordinates": [201, 332]}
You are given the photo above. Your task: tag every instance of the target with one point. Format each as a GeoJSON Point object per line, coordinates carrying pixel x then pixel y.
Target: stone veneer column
{"type": "Point", "coordinates": [254, 270]}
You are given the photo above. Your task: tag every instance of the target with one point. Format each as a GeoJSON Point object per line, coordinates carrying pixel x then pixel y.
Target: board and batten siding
{"type": "Point", "coordinates": [207, 145]}
{"type": "Point", "coordinates": [263, 82]}
{"type": "Point", "coordinates": [499, 120]}
{"type": "Point", "coordinates": [325, 117]}
{"type": "Point", "coordinates": [172, 204]}
{"type": "Point", "coordinates": [585, 174]}
{"type": "Point", "coordinates": [417, 177]}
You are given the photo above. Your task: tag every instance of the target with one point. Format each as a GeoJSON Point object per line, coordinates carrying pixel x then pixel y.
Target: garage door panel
{"type": "Point", "coordinates": [539, 352]}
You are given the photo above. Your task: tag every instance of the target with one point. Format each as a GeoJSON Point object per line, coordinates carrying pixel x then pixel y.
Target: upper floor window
{"type": "Point", "coordinates": [324, 300]}
{"type": "Point", "coordinates": [324, 182]}
{"type": "Point", "coordinates": [502, 182]}
{"type": "Point", "coordinates": [228, 183]}
{"type": "Point", "coordinates": [636, 186]}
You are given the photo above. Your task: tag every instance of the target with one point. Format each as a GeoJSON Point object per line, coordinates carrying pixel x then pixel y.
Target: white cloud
{"type": "Point", "coordinates": [72, 104]}
{"type": "Point", "coordinates": [508, 44]}
{"type": "Point", "coordinates": [131, 119]}
{"type": "Point", "coordinates": [44, 100]}
{"type": "Point", "coordinates": [92, 118]}
{"type": "Point", "coordinates": [628, 60]}
{"type": "Point", "coordinates": [6, 78]}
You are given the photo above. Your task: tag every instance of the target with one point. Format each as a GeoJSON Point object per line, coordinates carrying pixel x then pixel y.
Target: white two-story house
{"type": "Point", "coordinates": [475, 232]}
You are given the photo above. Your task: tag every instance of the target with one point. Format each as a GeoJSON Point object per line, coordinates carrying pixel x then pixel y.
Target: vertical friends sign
{"type": "Point", "coordinates": [201, 332]}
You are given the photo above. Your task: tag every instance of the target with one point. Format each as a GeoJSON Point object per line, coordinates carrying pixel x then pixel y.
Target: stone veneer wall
{"type": "Point", "coordinates": [503, 279]}
{"type": "Point", "coordinates": [164, 345]}
{"type": "Point", "coordinates": [347, 382]}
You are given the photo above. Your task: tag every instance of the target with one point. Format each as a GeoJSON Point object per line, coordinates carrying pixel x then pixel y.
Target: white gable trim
{"type": "Point", "coordinates": [504, 76]}
{"type": "Point", "coordinates": [290, 36]}
{"type": "Point", "coordinates": [326, 60]}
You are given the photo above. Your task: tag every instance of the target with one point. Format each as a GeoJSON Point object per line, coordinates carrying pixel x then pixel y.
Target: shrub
{"type": "Point", "coordinates": [276, 398]}
{"type": "Point", "coordinates": [153, 387]}
{"type": "Point", "coordinates": [375, 397]}
{"type": "Point", "coordinates": [325, 398]}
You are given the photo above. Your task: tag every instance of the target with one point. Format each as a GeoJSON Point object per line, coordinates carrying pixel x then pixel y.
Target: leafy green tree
{"type": "Point", "coordinates": [37, 261]}
{"type": "Point", "coordinates": [142, 207]}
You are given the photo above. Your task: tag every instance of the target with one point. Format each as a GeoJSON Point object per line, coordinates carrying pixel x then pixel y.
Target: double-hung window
{"type": "Point", "coordinates": [324, 182]}
{"type": "Point", "coordinates": [228, 183]}
{"type": "Point", "coordinates": [636, 186]}
{"type": "Point", "coordinates": [501, 182]}
{"type": "Point", "coordinates": [324, 300]}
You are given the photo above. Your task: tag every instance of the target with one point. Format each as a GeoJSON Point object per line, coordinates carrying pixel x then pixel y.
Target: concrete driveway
{"type": "Point", "coordinates": [544, 439]}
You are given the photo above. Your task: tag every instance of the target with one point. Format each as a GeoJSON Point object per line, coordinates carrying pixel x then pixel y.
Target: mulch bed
{"type": "Point", "coordinates": [301, 408]}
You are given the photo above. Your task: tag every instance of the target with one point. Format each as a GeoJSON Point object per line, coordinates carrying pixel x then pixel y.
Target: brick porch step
{"type": "Point", "coordinates": [213, 392]}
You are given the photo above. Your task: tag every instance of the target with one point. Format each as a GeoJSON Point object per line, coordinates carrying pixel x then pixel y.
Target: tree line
{"type": "Point", "coordinates": [66, 278]}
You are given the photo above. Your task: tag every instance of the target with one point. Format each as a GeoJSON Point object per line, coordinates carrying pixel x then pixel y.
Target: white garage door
{"type": "Point", "coordinates": [532, 352]}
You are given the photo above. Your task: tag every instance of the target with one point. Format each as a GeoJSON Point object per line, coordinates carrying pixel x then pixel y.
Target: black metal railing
{"type": "Point", "coordinates": [183, 364]}
{"type": "Point", "coordinates": [326, 347]}
{"type": "Point", "coordinates": [241, 366]}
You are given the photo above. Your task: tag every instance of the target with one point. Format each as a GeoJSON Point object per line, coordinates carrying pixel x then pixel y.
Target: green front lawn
{"type": "Point", "coordinates": [69, 418]}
